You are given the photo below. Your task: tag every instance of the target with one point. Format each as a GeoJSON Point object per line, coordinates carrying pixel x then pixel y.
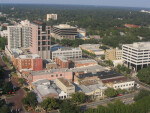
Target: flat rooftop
{"type": "Point", "coordinates": [51, 71]}
{"type": "Point", "coordinates": [65, 82]}
{"type": "Point", "coordinates": [30, 56]}
{"type": "Point", "coordinates": [102, 75]}
{"type": "Point", "coordinates": [91, 88]}
{"type": "Point", "coordinates": [67, 49]}
{"type": "Point", "coordinates": [62, 58]}
{"type": "Point", "coordinates": [45, 87]}
{"type": "Point", "coordinates": [64, 26]}
{"type": "Point", "coordinates": [94, 68]}
{"type": "Point", "coordinates": [139, 45]}
{"type": "Point", "coordinates": [85, 61]}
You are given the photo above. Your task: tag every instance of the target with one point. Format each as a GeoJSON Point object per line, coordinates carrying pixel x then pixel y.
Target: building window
{"type": "Point", "coordinates": [56, 75]}
{"type": "Point", "coordinates": [38, 48]}
{"type": "Point", "coordinates": [60, 74]}
{"type": "Point", "coordinates": [43, 38]}
{"type": "Point", "coordinates": [52, 75]}
{"type": "Point", "coordinates": [43, 43]}
{"type": "Point", "coordinates": [43, 48]}
{"type": "Point", "coordinates": [38, 37]}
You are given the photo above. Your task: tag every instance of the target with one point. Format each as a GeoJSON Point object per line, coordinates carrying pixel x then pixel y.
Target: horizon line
{"type": "Point", "coordinates": [76, 5]}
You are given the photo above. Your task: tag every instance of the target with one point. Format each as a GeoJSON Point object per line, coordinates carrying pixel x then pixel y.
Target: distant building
{"type": "Point", "coordinates": [65, 86]}
{"type": "Point", "coordinates": [51, 16]}
{"type": "Point", "coordinates": [113, 54]}
{"type": "Point", "coordinates": [92, 48]}
{"type": "Point", "coordinates": [64, 31]}
{"type": "Point", "coordinates": [81, 33]}
{"type": "Point", "coordinates": [95, 37]}
{"type": "Point", "coordinates": [4, 33]}
{"type": "Point", "coordinates": [132, 26]}
{"type": "Point", "coordinates": [136, 55]}
{"type": "Point", "coordinates": [67, 52]}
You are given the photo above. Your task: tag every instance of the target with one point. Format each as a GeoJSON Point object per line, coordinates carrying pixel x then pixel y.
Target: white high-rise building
{"type": "Point", "coordinates": [136, 55]}
{"type": "Point", "coordinates": [19, 35]}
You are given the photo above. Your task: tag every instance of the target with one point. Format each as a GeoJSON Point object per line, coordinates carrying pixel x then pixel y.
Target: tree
{"type": "Point", "coordinates": [4, 108]}
{"type": "Point", "coordinates": [79, 97]}
{"type": "Point", "coordinates": [22, 80]}
{"type": "Point", "coordinates": [68, 107]}
{"type": "Point", "coordinates": [7, 87]}
{"type": "Point", "coordinates": [30, 100]}
{"type": "Point", "coordinates": [3, 42]}
{"type": "Point", "coordinates": [141, 94]}
{"type": "Point", "coordinates": [110, 92]}
{"type": "Point", "coordinates": [50, 104]}
{"type": "Point", "coordinates": [144, 75]}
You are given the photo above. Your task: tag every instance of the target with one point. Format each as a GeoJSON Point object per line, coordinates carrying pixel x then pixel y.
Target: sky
{"type": "Point", "coordinates": [126, 3]}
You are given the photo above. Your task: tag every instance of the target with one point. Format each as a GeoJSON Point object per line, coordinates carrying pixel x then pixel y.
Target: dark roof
{"type": "Point", "coordinates": [101, 75]}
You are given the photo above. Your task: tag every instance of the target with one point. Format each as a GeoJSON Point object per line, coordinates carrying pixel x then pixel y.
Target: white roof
{"type": "Point", "coordinates": [29, 56]}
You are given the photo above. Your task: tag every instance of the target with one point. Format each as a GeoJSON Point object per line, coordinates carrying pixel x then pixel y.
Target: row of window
{"type": "Point", "coordinates": [56, 75]}
{"type": "Point", "coordinates": [124, 85]}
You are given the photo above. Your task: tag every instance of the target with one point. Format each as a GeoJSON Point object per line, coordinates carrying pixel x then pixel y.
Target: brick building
{"type": "Point", "coordinates": [29, 62]}
{"type": "Point", "coordinates": [52, 74]}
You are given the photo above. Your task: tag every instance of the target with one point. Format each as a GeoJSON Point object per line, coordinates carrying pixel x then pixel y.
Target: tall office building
{"type": "Point", "coordinates": [136, 55]}
{"type": "Point", "coordinates": [19, 35]}
{"type": "Point", "coordinates": [64, 31]}
{"type": "Point", "coordinates": [51, 16]}
{"type": "Point", "coordinates": [40, 40]}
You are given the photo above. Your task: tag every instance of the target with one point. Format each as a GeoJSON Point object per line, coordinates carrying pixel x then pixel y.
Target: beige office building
{"type": "Point", "coordinates": [113, 54]}
{"type": "Point", "coordinates": [65, 86]}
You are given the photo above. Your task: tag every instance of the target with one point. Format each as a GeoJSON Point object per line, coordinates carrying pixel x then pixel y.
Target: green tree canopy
{"type": "Point", "coordinates": [110, 92]}
{"type": "Point", "coordinates": [50, 104]}
{"type": "Point", "coordinates": [30, 100]}
{"type": "Point", "coordinates": [144, 75]}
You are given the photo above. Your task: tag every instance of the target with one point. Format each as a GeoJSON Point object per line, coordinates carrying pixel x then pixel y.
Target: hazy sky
{"type": "Point", "coordinates": [130, 3]}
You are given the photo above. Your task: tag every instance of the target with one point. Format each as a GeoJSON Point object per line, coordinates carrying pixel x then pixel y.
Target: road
{"type": "Point", "coordinates": [14, 101]}
{"type": "Point", "coordinates": [147, 87]}
{"type": "Point", "coordinates": [128, 98]}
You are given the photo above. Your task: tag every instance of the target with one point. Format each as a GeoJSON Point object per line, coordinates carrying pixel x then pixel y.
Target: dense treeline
{"type": "Point", "coordinates": [107, 22]}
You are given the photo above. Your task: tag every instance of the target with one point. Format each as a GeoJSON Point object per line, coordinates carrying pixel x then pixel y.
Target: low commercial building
{"type": "Point", "coordinates": [113, 54]}
{"type": "Point", "coordinates": [136, 55]}
{"type": "Point", "coordinates": [65, 86]}
{"type": "Point", "coordinates": [92, 48]}
{"type": "Point", "coordinates": [84, 62]}
{"type": "Point", "coordinates": [122, 84]}
{"type": "Point", "coordinates": [95, 90]}
{"type": "Point", "coordinates": [109, 78]}
{"type": "Point", "coordinates": [67, 52]}
{"type": "Point", "coordinates": [62, 62]}
{"type": "Point", "coordinates": [47, 89]}
{"type": "Point", "coordinates": [64, 31]}
{"type": "Point", "coordinates": [32, 76]}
